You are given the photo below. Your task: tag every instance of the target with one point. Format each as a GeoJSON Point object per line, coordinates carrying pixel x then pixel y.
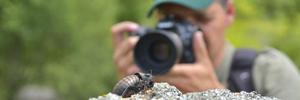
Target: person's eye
{"type": "Point", "coordinates": [204, 18]}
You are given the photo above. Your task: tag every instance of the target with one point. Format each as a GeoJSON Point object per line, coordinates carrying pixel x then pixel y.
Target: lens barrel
{"type": "Point", "coordinates": [157, 51]}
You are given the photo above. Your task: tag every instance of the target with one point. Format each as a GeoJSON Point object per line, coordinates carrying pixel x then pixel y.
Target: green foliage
{"type": "Point", "coordinates": [267, 23]}
{"type": "Point", "coordinates": [66, 44]}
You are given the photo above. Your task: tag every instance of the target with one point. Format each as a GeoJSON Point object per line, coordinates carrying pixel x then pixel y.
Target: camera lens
{"type": "Point", "coordinates": [157, 51]}
{"type": "Point", "coordinates": [160, 51]}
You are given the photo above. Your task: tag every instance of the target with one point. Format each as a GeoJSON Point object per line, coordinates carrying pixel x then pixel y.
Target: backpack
{"type": "Point", "coordinates": [240, 77]}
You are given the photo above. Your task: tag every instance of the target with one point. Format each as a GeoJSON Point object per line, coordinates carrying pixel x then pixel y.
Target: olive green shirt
{"type": "Point", "coordinates": [274, 74]}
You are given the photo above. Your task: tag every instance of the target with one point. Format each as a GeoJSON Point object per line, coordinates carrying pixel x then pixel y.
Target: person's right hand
{"type": "Point", "coordinates": [123, 48]}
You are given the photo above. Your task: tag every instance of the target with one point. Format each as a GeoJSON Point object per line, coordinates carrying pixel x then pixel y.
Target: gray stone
{"type": "Point", "coordinates": [36, 92]}
{"type": "Point", "coordinates": [163, 91]}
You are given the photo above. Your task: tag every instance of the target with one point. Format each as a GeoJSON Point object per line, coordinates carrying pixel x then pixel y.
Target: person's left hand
{"type": "Point", "coordinates": [198, 76]}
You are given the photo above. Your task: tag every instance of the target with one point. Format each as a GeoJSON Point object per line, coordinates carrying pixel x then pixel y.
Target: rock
{"type": "Point", "coordinates": [109, 96]}
{"type": "Point", "coordinates": [163, 91]}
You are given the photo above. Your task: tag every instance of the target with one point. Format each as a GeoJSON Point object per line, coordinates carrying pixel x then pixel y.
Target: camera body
{"type": "Point", "coordinates": [159, 49]}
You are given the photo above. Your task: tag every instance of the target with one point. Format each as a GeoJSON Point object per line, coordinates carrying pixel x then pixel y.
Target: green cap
{"type": "Point", "coordinates": [192, 4]}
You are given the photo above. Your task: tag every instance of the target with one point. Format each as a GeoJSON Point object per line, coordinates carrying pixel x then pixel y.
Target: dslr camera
{"type": "Point", "coordinates": [169, 43]}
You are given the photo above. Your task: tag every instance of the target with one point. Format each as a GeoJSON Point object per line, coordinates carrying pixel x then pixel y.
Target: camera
{"type": "Point", "coordinates": [169, 43]}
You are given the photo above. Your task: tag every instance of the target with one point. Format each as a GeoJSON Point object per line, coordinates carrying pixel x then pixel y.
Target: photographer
{"type": "Point", "coordinates": [271, 72]}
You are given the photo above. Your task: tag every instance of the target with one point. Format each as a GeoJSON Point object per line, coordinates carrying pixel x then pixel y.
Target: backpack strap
{"type": "Point", "coordinates": [240, 77]}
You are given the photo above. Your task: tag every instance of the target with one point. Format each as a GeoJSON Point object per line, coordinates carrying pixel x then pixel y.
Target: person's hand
{"type": "Point", "coordinates": [123, 48]}
{"type": "Point", "coordinates": [198, 76]}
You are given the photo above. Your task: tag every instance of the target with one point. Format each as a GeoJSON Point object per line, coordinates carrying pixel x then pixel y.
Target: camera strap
{"type": "Point", "coordinates": [240, 77]}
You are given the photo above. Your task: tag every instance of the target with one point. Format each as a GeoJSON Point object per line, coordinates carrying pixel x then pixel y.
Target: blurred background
{"type": "Point", "coordinates": [65, 45]}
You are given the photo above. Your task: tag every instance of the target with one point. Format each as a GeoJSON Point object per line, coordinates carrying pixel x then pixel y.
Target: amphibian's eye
{"type": "Point", "coordinates": [147, 75]}
{"type": "Point", "coordinates": [150, 84]}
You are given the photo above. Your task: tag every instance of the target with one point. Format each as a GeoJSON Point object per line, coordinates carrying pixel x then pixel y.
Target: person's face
{"type": "Point", "coordinates": [213, 21]}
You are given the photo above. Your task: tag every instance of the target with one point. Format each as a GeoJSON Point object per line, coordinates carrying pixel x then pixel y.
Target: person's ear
{"type": "Point", "coordinates": [230, 13]}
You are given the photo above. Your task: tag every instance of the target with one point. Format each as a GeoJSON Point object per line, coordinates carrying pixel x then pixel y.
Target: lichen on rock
{"type": "Point", "coordinates": [164, 91]}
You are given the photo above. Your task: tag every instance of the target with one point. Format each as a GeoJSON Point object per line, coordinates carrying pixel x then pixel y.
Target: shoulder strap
{"type": "Point", "coordinates": [240, 77]}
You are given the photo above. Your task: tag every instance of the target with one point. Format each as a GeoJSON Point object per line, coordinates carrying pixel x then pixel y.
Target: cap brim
{"type": "Point", "coordinates": [191, 4]}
